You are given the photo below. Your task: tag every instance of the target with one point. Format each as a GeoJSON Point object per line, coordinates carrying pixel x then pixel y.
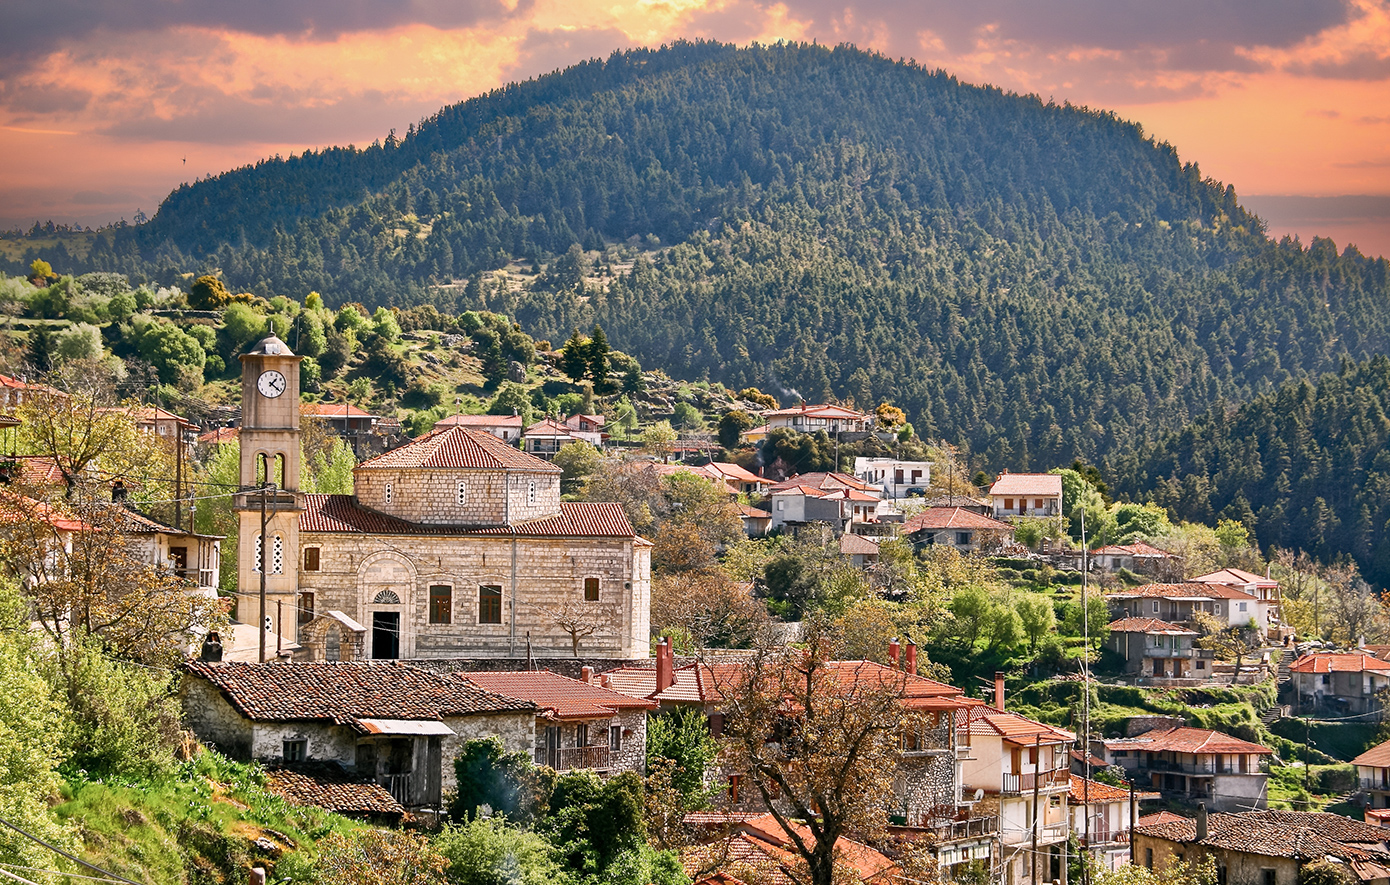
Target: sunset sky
{"type": "Point", "coordinates": [105, 105]}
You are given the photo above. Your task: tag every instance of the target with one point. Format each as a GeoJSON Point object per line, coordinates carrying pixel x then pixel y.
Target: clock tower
{"type": "Point", "coordinates": [269, 495]}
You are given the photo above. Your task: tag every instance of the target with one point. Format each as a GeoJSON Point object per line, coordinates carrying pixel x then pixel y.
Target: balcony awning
{"type": "Point", "coordinates": [405, 727]}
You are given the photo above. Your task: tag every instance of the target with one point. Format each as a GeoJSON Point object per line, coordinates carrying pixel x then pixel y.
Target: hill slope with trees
{"type": "Point", "coordinates": [1041, 282]}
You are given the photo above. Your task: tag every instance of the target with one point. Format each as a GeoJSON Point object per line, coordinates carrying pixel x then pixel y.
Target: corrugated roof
{"type": "Point", "coordinates": [941, 518]}
{"type": "Point", "coordinates": [1148, 626]}
{"type": "Point", "coordinates": [1338, 662]}
{"type": "Point", "coordinates": [1185, 740]}
{"type": "Point", "coordinates": [559, 696]}
{"type": "Point", "coordinates": [458, 448]}
{"type": "Point", "coordinates": [342, 513]}
{"type": "Point", "coordinates": [1302, 835]}
{"type": "Point", "coordinates": [341, 693]}
{"type": "Point", "coordinates": [1024, 484]}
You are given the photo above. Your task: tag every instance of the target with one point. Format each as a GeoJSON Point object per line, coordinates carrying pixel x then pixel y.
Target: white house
{"type": "Point", "coordinates": [1034, 495]}
{"type": "Point", "coordinates": [893, 478]}
{"type": "Point", "coordinates": [810, 419]}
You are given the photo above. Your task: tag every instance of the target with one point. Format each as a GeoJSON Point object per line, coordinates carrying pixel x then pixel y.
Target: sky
{"type": "Point", "coordinates": [107, 105]}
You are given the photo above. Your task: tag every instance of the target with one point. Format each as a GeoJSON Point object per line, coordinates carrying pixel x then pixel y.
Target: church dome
{"type": "Point", "coordinates": [270, 346]}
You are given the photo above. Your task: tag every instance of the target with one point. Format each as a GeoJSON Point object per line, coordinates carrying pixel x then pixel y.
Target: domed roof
{"type": "Point", "coordinates": [270, 346]}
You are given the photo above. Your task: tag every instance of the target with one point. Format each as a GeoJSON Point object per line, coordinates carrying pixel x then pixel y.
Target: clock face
{"type": "Point", "coordinates": [271, 384]}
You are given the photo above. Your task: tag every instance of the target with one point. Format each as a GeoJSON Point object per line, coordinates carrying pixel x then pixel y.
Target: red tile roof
{"type": "Point", "coordinates": [1148, 626]}
{"type": "Point", "coordinates": [1376, 757]}
{"type": "Point", "coordinates": [1302, 835]}
{"type": "Point", "coordinates": [342, 513]}
{"type": "Point", "coordinates": [695, 683]}
{"type": "Point", "coordinates": [761, 845]}
{"type": "Point", "coordinates": [941, 518]}
{"type": "Point", "coordinates": [559, 697]}
{"type": "Point", "coordinates": [219, 436]}
{"type": "Point", "coordinates": [479, 421]}
{"type": "Point", "coordinates": [344, 693]}
{"type": "Point", "coordinates": [1159, 817]}
{"type": "Point", "coordinates": [1091, 792]}
{"type": "Point", "coordinates": [985, 720]}
{"type": "Point", "coordinates": [822, 480]}
{"type": "Point", "coordinates": [1189, 590]}
{"type": "Point", "coordinates": [748, 512]}
{"type": "Point", "coordinates": [816, 411]}
{"type": "Point", "coordinates": [1185, 740]}
{"type": "Point", "coordinates": [15, 508]}
{"type": "Point", "coordinates": [331, 788]}
{"type": "Point", "coordinates": [1236, 577]}
{"type": "Point", "coordinates": [1138, 548]}
{"type": "Point", "coordinates": [734, 472]}
{"type": "Point", "coordinates": [1027, 484]}
{"type": "Point", "coordinates": [550, 427]}
{"type": "Point", "coordinates": [857, 545]}
{"type": "Point", "coordinates": [459, 448]}
{"type": "Point", "coordinates": [1336, 662]}
{"type": "Point", "coordinates": [333, 410]}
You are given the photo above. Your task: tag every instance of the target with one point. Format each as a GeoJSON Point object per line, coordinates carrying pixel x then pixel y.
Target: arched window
{"type": "Point", "coordinates": [278, 478]}
{"type": "Point", "coordinates": [386, 597]}
{"type": "Point", "coordinates": [277, 555]}
{"type": "Point", "coordinates": [258, 556]}
{"type": "Point", "coordinates": [261, 471]}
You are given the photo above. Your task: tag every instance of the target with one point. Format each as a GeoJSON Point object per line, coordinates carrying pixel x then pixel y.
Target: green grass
{"type": "Point", "coordinates": [1292, 788]}
{"type": "Point", "coordinates": [198, 824]}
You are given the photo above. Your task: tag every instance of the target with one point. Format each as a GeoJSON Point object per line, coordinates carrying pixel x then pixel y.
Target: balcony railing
{"type": "Point", "coordinates": [976, 827]}
{"type": "Point", "coordinates": [1379, 784]}
{"type": "Point", "coordinates": [1103, 837]}
{"type": "Point", "coordinates": [398, 785]}
{"type": "Point", "coordinates": [1202, 767]}
{"type": "Point", "coordinates": [1023, 783]}
{"type": "Point", "coordinates": [568, 758]}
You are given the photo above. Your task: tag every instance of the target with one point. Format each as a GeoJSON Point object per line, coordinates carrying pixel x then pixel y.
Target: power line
{"type": "Point", "coordinates": [15, 866]}
{"type": "Point", "coordinates": [72, 857]}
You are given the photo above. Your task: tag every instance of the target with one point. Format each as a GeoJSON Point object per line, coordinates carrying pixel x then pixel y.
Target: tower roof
{"type": "Point", "coordinates": [270, 346]}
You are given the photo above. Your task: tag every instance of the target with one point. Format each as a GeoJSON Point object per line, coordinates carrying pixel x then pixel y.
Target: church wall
{"type": "Point", "coordinates": [430, 496]}
{"type": "Point", "coordinates": [356, 569]}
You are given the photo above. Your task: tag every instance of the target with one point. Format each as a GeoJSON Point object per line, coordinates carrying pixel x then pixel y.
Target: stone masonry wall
{"type": "Point", "coordinates": [354, 570]}
{"type": "Point", "coordinates": [517, 731]}
{"type": "Point", "coordinates": [491, 497]}
{"type": "Point", "coordinates": [213, 720]}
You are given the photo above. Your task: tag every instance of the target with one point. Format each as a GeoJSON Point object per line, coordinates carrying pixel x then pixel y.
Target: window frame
{"type": "Point", "coordinates": [317, 559]}
{"type": "Point", "coordinates": [482, 601]}
{"type": "Point", "coordinates": [390, 488]}
{"type": "Point", "coordinates": [305, 607]}
{"type": "Point", "coordinates": [434, 616]}
{"type": "Point", "coordinates": [615, 738]}
{"type": "Point", "coordinates": [598, 588]}
{"type": "Point", "coordinates": [461, 494]}
{"type": "Point", "coordinates": [294, 750]}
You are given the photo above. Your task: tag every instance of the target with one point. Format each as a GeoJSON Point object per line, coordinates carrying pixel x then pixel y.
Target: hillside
{"type": "Point", "coordinates": [1039, 282]}
{"type": "Point", "coordinates": [1305, 467]}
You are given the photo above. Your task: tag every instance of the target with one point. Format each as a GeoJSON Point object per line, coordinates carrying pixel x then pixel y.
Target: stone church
{"type": "Point", "coordinates": [455, 545]}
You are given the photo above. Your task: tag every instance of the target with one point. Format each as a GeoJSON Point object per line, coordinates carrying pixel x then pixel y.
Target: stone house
{"type": "Point", "coordinates": [1344, 682]}
{"type": "Point", "coordinates": [1138, 557]}
{"type": "Point", "coordinates": [1373, 775]}
{"type": "Point", "coordinates": [1266, 847]}
{"type": "Point", "coordinates": [193, 557]}
{"type": "Point", "coordinates": [391, 724]}
{"type": "Point", "coordinates": [957, 527]}
{"type": "Point", "coordinates": [452, 545]}
{"type": "Point", "coordinates": [1020, 770]}
{"type": "Point", "coordinates": [1155, 649]}
{"type": "Point", "coordinates": [1194, 764]}
{"type": "Point", "coordinates": [580, 723]}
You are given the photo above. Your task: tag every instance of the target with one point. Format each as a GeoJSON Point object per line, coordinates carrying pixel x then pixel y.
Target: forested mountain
{"type": "Point", "coordinates": [1306, 467]}
{"type": "Point", "coordinates": [1038, 282]}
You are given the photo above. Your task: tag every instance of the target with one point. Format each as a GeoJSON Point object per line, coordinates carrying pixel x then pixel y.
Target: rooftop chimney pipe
{"type": "Point", "coordinates": [999, 690]}
{"type": "Point", "coordinates": [893, 653]}
{"type": "Point", "coordinates": [665, 675]}
{"type": "Point", "coordinates": [1201, 821]}
{"type": "Point", "coordinates": [910, 658]}
{"type": "Point", "coordinates": [586, 674]}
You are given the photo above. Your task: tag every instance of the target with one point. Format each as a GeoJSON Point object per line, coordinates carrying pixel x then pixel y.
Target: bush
{"type": "Point", "coordinates": [508, 783]}
{"type": "Point", "coordinates": [491, 852]}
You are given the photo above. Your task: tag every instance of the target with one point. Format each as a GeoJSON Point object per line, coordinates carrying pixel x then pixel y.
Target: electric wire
{"type": "Point", "coordinates": [15, 866]}
{"type": "Point", "coordinates": [72, 857]}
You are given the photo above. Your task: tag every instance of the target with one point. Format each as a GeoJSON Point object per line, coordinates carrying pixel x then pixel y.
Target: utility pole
{"type": "Point", "coordinates": [1132, 800]}
{"type": "Point", "coordinates": [265, 490]}
{"type": "Point", "coordinates": [1037, 762]}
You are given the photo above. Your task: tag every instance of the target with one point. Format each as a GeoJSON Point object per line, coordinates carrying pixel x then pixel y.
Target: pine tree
{"type": "Point", "coordinates": [598, 360]}
{"type": "Point", "coordinates": [575, 360]}
{"type": "Point", "coordinates": [41, 346]}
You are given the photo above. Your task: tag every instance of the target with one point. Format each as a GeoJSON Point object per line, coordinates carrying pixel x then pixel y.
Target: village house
{"type": "Point", "coordinates": [1140, 558]}
{"type": "Point", "coordinates": [1021, 768]}
{"type": "Point", "coordinates": [957, 527]}
{"type": "Point", "coordinates": [756, 521]}
{"type": "Point", "coordinates": [861, 551]}
{"type": "Point", "coordinates": [547, 436]}
{"type": "Point", "coordinates": [811, 419]}
{"type": "Point", "coordinates": [1102, 816]}
{"type": "Point", "coordinates": [354, 425]}
{"type": "Point", "coordinates": [735, 479]}
{"type": "Point", "coordinates": [1027, 495]}
{"type": "Point", "coordinates": [1195, 764]}
{"type": "Point", "coordinates": [755, 848]}
{"type": "Point", "coordinates": [396, 725]}
{"type": "Point", "coordinates": [1266, 847]}
{"type": "Point", "coordinates": [1158, 650]}
{"type": "Point", "coordinates": [894, 479]}
{"type": "Point", "coordinates": [1260, 587]}
{"type": "Point", "coordinates": [1180, 604]}
{"type": "Point", "coordinates": [588, 428]}
{"type": "Point", "coordinates": [580, 723]}
{"type": "Point", "coordinates": [1340, 682]}
{"type": "Point", "coordinates": [1373, 776]}
{"type": "Point", "coordinates": [835, 498]}
{"type": "Point", "coordinates": [507, 428]}
{"type": "Point", "coordinates": [453, 545]}
{"type": "Point", "coordinates": [14, 391]}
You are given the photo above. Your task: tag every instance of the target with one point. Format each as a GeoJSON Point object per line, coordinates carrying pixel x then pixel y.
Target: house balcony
{"type": "Point", "coordinates": [1375, 785]}
{"type": "Point", "coordinates": [398, 785]}
{"type": "Point", "coordinates": [571, 758]}
{"type": "Point", "coordinates": [1104, 838]}
{"type": "Point", "coordinates": [1016, 784]}
{"type": "Point", "coordinates": [956, 830]}
{"type": "Point", "coordinates": [1202, 768]}
{"type": "Point", "coordinates": [1048, 834]}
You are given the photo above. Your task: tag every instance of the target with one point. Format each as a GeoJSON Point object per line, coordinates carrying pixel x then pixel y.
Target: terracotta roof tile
{"type": "Point", "coordinates": [1235, 576]}
{"type": "Point", "coordinates": [1185, 740]}
{"type": "Point", "coordinates": [734, 472]}
{"type": "Point", "coordinates": [1334, 662]}
{"type": "Point", "coordinates": [558, 696]}
{"type": "Point", "coordinates": [1188, 590]}
{"type": "Point", "coordinates": [1376, 757]}
{"type": "Point", "coordinates": [343, 693]}
{"type": "Point", "coordinates": [825, 481]}
{"type": "Point", "coordinates": [1026, 484]}
{"type": "Point", "coordinates": [328, 786]}
{"type": "Point", "coordinates": [1084, 791]}
{"type": "Point", "coordinates": [1301, 835]}
{"type": "Point", "coordinates": [333, 410]}
{"type": "Point", "coordinates": [479, 421]}
{"type": "Point", "coordinates": [341, 513]}
{"type": "Point", "coordinates": [1159, 817]}
{"type": "Point", "coordinates": [983, 720]}
{"type": "Point", "coordinates": [940, 518]}
{"type": "Point", "coordinates": [458, 448]}
{"type": "Point", "coordinates": [857, 545]}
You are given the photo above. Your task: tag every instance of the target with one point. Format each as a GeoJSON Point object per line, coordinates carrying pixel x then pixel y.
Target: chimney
{"type": "Point", "coordinates": [999, 690]}
{"type": "Point", "coordinates": [910, 658]}
{"type": "Point", "coordinates": [605, 682]}
{"type": "Point", "coordinates": [893, 653]}
{"type": "Point", "coordinates": [586, 675]}
{"type": "Point", "coordinates": [665, 677]}
{"type": "Point", "coordinates": [1201, 821]}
